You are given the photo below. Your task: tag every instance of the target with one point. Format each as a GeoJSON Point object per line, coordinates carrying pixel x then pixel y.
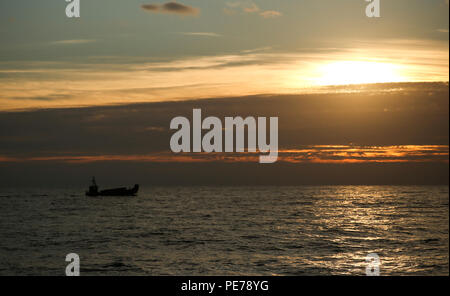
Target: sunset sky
{"type": "Point", "coordinates": [77, 95]}
{"type": "Point", "coordinates": [127, 51]}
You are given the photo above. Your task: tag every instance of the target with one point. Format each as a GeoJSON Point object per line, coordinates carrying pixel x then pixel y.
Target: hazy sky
{"type": "Point", "coordinates": [126, 51]}
{"type": "Point", "coordinates": [29, 29]}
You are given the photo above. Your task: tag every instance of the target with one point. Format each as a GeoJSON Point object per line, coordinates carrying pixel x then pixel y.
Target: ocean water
{"type": "Point", "coordinates": [318, 230]}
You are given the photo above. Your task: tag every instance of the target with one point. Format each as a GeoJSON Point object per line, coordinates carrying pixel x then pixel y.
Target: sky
{"type": "Point", "coordinates": [382, 134]}
{"type": "Point", "coordinates": [121, 52]}
{"type": "Point", "coordinates": [360, 100]}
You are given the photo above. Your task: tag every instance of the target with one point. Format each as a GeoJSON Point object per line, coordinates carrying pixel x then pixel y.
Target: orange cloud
{"type": "Point", "coordinates": [309, 154]}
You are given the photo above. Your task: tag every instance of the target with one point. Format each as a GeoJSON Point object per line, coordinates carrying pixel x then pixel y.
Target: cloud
{"type": "Point", "coordinates": [202, 34]}
{"type": "Point", "coordinates": [246, 6]}
{"type": "Point", "coordinates": [270, 14]}
{"type": "Point", "coordinates": [249, 7]}
{"type": "Point", "coordinates": [314, 130]}
{"type": "Point", "coordinates": [74, 41]}
{"type": "Point", "coordinates": [442, 30]}
{"type": "Point", "coordinates": [151, 7]}
{"type": "Point", "coordinates": [179, 8]}
{"type": "Point", "coordinates": [171, 8]}
{"type": "Point", "coordinates": [342, 154]}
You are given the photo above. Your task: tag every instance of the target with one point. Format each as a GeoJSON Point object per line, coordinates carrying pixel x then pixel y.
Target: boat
{"type": "Point", "coordinates": [122, 191]}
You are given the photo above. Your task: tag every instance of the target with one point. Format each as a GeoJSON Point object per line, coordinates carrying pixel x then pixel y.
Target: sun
{"type": "Point", "coordinates": [358, 72]}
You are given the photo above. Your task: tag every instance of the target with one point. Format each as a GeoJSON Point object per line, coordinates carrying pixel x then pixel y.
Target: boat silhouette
{"type": "Point", "coordinates": [122, 191]}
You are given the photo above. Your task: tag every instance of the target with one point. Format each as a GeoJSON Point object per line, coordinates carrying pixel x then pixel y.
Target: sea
{"type": "Point", "coordinates": [305, 230]}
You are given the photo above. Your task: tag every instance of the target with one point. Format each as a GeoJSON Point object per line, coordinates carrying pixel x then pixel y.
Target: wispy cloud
{"type": "Point", "coordinates": [249, 7]}
{"type": "Point", "coordinates": [270, 14]}
{"type": "Point", "coordinates": [307, 154]}
{"type": "Point", "coordinates": [201, 34]}
{"type": "Point", "coordinates": [171, 8]}
{"type": "Point", "coordinates": [73, 41]}
{"type": "Point", "coordinates": [150, 7]}
{"type": "Point", "coordinates": [442, 30]}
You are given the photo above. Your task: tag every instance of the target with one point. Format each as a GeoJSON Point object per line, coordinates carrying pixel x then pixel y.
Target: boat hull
{"type": "Point", "coordinates": [115, 192]}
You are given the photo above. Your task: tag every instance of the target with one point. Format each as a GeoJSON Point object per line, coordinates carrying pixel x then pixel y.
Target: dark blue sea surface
{"type": "Point", "coordinates": [317, 230]}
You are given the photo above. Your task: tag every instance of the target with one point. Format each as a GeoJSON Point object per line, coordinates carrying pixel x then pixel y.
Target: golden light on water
{"type": "Point", "coordinates": [358, 72]}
